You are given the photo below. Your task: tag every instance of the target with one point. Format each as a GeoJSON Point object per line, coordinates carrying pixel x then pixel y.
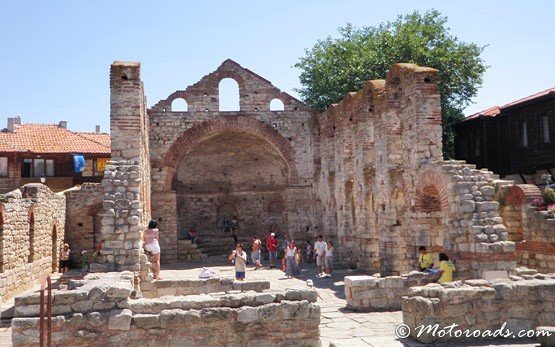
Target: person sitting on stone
{"type": "Point", "coordinates": [446, 268]}
{"type": "Point", "coordinates": [193, 236]}
{"type": "Point", "coordinates": [425, 260]}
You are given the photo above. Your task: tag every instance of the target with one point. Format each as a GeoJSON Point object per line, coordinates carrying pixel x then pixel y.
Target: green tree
{"type": "Point", "coordinates": [335, 66]}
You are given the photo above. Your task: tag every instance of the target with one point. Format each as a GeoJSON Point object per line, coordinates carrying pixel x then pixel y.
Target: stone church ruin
{"type": "Point", "coordinates": [367, 173]}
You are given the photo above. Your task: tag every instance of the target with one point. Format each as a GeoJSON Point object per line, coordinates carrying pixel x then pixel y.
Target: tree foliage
{"type": "Point", "coordinates": [335, 66]}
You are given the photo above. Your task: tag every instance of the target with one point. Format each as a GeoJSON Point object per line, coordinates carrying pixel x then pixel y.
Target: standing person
{"type": "Point", "coordinates": [272, 244]}
{"type": "Point", "coordinates": [308, 252]}
{"type": "Point", "coordinates": [239, 257]}
{"type": "Point", "coordinates": [446, 268]}
{"type": "Point", "coordinates": [284, 246]}
{"type": "Point", "coordinates": [64, 258]}
{"type": "Point", "coordinates": [425, 260]}
{"type": "Point", "coordinates": [151, 237]}
{"type": "Point", "coordinates": [292, 269]}
{"type": "Point", "coordinates": [329, 259]}
{"type": "Point", "coordinates": [255, 255]}
{"type": "Point", "coordinates": [320, 248]}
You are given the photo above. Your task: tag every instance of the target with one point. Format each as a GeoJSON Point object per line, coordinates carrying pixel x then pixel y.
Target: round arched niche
{"type": "Point", "coordinates": [231, 161]}
{"type": "Point", "coordinates": [231, 168]}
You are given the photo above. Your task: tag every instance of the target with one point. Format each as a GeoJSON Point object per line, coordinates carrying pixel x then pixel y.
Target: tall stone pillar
{"type": "Point", "coordinates": [127, 175]}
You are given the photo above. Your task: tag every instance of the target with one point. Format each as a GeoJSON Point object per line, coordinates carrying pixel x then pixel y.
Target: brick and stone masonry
{"type": "Point", "coordinates": [31, 236]}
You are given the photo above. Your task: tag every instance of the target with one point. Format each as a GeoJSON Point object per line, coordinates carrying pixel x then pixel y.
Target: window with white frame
{"type": "Point", "coordinates": [543, 123]}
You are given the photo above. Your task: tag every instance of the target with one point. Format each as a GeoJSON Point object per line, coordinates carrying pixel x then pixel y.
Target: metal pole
{"type": "Point", "coordinates": [41, 310]}
{"type": "Point", "coordinates": [49, 310]}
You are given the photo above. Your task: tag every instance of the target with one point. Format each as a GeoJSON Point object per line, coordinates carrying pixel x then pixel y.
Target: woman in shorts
{"type": "Point", "coordinates": [64, 258]}
{"type": "Point", "coordinates": [151, 237]}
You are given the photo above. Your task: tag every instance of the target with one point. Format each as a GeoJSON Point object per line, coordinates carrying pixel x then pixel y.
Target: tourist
{"type": "Point", "coordinates": [320, 248]}
{"type": "Point", "coordinates": [64, 258]}
{"type": "Point", "coordinates": [308, 252]}
{"type": "Point", "coordinates": [284, 247]}
{"type": "Point", "coordinates": [239, 257]}
{"type": "Point", "coordinates": [291, 269]}
{"type": "Point", "coordinates": [446, 268]}
{"type": "Point", "coordinates": [329, 259]}
{"type": "Point", "coordinates": [255, 255]}
{"type": "Point", "coordinates": [193, 236]}
{"type": "Point", "coordinates": [425, 260]}
{"type": "Point", "coordinates": [271, 244]}
{"type": "Point", "coordinates": [151, 238]}
{"type": "Point", "coordinates": [85, 263]}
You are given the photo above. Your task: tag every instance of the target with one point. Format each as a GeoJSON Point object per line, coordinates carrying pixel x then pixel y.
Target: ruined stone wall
{"type": "Point", "coordinates": [100, 311]}
{"type": "Point", "coordinates": [385, 190]}
{"type": "Point", "coordinates": [126, 205]}
{"type": "Point", "coordinates": [205, 160]}
{"type": "Point", "coordinates": [82, 224]}
{"type": "Point", "coordinates": [375, 293]}
{"type": "Point", "coordinates": [529, 228]}
{"type": "Point", "coordinates": [31, 235]}
{"type": "Point", "coordinates": [522, 304]}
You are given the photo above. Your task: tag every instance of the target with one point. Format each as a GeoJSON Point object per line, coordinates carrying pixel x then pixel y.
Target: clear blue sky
{"type": "Point", "coordinates": [55, 55]}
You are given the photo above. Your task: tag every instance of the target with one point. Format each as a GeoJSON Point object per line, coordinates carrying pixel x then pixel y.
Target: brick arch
{"type": "Point", "coordinates": [431, 193]}
{"type": "Point", "coordinates": [521, 194]}
{"type": "Point", "coordinates": [200, 131]}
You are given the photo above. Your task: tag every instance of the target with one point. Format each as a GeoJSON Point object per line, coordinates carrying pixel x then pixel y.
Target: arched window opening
{"type": "Point", "coordinates": [54, 249]}
{"type": "Point", "coordinates": [180, 105]}
{"type": "Point", "coordinates": [277, 105]}
{"type": "Point", "coordinates": [31, 238]}
{"type": "Point", "coordinates": [228, 95]}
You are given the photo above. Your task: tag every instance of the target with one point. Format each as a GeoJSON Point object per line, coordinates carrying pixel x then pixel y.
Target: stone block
{"type": "Point", "coordinates": [120, 319]}
{"type": "Point", "coordinates": [146, 321]}
{"type": "Point", "coordinates": [247, 315]}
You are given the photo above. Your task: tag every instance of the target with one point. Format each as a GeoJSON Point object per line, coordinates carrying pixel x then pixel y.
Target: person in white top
{"type": "Point", "coordinates": [320, 248]}
{"type": "Point", "coordinates": [329, 259]}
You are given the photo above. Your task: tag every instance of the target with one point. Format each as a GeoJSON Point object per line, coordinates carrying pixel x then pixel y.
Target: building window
{"type": "Point", "coordinates": [37, 167]}
{"type": "Point", "coordinates": [543, 122]}
{"type": "Point", "coordinates": [523, 126]}
{"type": "Point", "coordinates": [3, 166]}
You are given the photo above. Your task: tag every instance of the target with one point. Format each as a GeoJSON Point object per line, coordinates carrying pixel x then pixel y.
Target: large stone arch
{"type": "Point", "coordinates": [201, 131]}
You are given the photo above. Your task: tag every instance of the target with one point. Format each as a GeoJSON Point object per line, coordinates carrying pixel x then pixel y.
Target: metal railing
{"type": "Point", "coordinates": [45, 283]}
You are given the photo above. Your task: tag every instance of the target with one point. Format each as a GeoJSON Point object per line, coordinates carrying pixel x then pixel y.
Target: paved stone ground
{"type": "Point", "coordinates": [339, 326]}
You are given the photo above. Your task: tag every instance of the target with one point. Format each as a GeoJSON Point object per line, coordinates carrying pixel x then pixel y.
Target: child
{"type": "Point", "coordinates": [329, 259]}
{"type": "Point", "coordinates": [84, 261]}
{"type": "Point", "coordinates": [425, 260]}
{"type": "Point", "coordinates": [446, 268]}
{"type": "Point", "coordinates": [239, 257]}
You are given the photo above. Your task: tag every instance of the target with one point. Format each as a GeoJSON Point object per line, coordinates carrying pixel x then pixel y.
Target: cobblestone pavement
{"type": "Point", "coordinates": [339, 326]}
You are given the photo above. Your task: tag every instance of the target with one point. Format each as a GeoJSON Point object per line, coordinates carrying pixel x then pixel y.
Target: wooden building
{"type": "Point", "coordinates": [29, 152]}
{"type": "Point", "coordinates": [517, 139]}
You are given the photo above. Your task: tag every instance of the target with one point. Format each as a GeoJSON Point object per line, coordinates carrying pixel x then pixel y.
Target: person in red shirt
{"type": "Point", "coordinates": [271, 244]}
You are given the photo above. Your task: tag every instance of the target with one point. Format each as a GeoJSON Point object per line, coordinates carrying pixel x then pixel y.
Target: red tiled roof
{"type": "Point", "coordinates": [490, 112]}
{"type": "Point", "coordinates": [496, 110]}
{"type": "Point", "coordinates": [50, 138]}
{"type": "Point", "coordinates": [530, 97]}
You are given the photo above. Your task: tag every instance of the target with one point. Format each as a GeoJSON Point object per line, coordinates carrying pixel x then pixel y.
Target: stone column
{"type": "Point", "coordinates": [126, 180]}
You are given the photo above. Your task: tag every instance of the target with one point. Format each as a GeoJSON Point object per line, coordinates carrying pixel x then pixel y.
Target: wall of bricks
{"type": "Point", "coordinates": [522, 302]}
{"type": "Point", "coordinates": [83, 224]}
{"type": "Point", "coordinates": [99, 311]}
{"type": "Point", "coordinates": [205, 160]}
{"type": "Point", "coordinates": [531, 229]}
{"type": "Point", "coordinates": [126, 183]}
{"type": "Point", "coordinates": [383, 189]}
{"type": "Point", "coordinates": [31, 235]}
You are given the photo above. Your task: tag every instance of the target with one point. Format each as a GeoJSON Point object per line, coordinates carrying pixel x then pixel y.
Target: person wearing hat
{"type": "Point", "coordinates": [271, 245]}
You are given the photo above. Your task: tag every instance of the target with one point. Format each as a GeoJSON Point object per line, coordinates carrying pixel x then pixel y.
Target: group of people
{"type": "Point", "coordinates": [290, 254]}
{"type": "Point", "coordinates": [426, 264]}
